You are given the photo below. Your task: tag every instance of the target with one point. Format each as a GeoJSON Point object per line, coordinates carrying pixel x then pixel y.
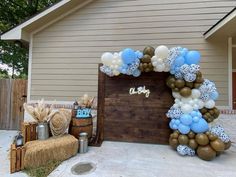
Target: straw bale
{"type": "Point", "coordinates": [40, 152]}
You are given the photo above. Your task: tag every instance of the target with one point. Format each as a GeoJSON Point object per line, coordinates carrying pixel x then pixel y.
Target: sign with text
{"type": "Point", "coordinates": [134, 109]}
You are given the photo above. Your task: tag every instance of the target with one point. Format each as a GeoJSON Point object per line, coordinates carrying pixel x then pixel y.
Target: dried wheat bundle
{"type": "Point", "coordinates": [85, 101]}
{"type": "Point", "coordinates": [39, 112]}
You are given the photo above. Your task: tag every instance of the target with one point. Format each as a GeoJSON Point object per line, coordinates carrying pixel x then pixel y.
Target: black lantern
{"type": "Point", "coordinates": [19, 140]}
{"type": "Point", "coordinates": [75, 105]}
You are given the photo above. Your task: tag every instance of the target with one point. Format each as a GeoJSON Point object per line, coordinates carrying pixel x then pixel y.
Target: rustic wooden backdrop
{"type": "Point", "coordinates": [12, 97]}
{"type": "Point", "coordinates": [133, 118]}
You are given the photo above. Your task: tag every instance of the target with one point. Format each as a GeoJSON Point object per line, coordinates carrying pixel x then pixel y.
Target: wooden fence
{"type": "Point", "coordinates": [12, 97]}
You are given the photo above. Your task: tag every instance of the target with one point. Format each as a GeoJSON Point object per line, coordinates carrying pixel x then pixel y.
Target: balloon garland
{"type": "Point", "coordinates": [195, 96]}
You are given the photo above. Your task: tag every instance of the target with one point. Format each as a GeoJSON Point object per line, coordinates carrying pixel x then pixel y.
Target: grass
{"type": "Point", "coordinates": [42, 171]}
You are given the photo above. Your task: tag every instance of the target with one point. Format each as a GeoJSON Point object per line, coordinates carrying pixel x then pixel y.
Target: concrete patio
{"type": "Point", "coordinates": [119, 159]}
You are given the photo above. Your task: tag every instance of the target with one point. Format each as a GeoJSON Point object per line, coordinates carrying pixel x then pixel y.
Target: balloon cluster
{"type": "Point", "coordinates": [159, 60]}
{"type": "Point", "coordinates": [145, 63]}
{"type": "Point", "coordinates": [187, 122]}
{"type": "Point", "coordinates": [210, 114]}
{"type": "Point", "coordinates": [125, 62]}
{"type": "Point", "coordinates": [206, 145]}
{"type": "Point", "coordinates": [182, 86]}
{"type": "Point", "coordinates": [194, 104]}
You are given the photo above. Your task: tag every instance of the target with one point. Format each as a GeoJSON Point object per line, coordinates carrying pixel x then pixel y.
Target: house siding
{"type": "Point", "coordinates": [66, 54]}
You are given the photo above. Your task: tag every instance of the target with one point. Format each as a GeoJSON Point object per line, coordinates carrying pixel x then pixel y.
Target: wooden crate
{"type": "Point", "coordinates": [29, 131]}
{"type": "Point", "coordinates": [16, 158]}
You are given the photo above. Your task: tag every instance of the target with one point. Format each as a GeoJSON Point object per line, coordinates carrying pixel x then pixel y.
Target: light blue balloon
{"type": "Point", "coordinates": [177, 121]}
{"type": "Point", "coordinates": [200, 127]}
{"type": "Point", "coordinates": [184, 51]}
{"type": "Point", "coordinates": [184, 129]}
{"type": "Point", "coordinates": [128, 56]}
{"type": "Point", "coordinates": [186, 119]}
{"type": "Point", "coordinates": [193, 57]}
{"type": "Point", "coordinates": [139, 54]}
{"type": "Point", "coordinates": [136, 73]}
{"type": "Point", "coordinates": [196, 119]}
{"type": "Point", "coordinates": [193, 113]}
{"type": "Point", "coordinates": [214, 95]}
{"type": "Point", "coordinates": [179, 61]}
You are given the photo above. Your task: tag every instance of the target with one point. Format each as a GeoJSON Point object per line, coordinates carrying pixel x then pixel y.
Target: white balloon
{"type": "Point", "coordinates": [116, 73]}
{"type": "Point", "coordinates": [159, 61]}
{"type": "Point", "coordinates": [162, 52]}
{"type": "Point", "coordinates": [107, 58]}
{"type": "Point", "coordinates": [160, 67]}
{"type": "Point", "coordinates": [186, 108]}
{"type": "Point", "coordinates": [196, 100]}
{"type": "Point", "coordinates": [200, 104]}
{"type": "Point", "coordinates": [181, 104]}
{"type": "Point", "coordinates": [196, 93]}
{"type": "Point", "coordinates": [210, 104]}
{"type": "Point", "coordinates": [191, 102]}
{"type": "Point", "coordinates": [176, 95]}
{"type": "Point", "coordinates": [176, 105]}
{"type": "Point", "coordinates": [195, 106]}
{"type": "Point", "coordinates": [186, 100]}
{"type": "Point", "coordinates": [154, 58]}
{"type": "Point", "coordinates": [177, 100]}
{"type": "Point", "coordinates": [154, 63]}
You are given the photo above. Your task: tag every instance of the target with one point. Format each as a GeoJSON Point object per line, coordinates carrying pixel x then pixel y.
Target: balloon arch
{"type": "Point", "coordinates": [195, 97]}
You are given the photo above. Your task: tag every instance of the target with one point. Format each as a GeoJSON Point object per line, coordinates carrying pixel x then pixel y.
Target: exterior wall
{"type": "Point", "coordinates": [234, 59]}
{"type": "Point", "coordinates": [66, 54]}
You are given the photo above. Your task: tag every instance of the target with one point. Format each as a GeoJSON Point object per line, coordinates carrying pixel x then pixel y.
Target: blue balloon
{"type": "Point", "coordinates": [214, 95]}
{"type": "Point", "coordinates": [184, 51]}
{"type": "Point", "coordinates": [196, 119]}
{"type": "Point", "coordinates": [184, 129]}
{"type": "Point", "coordinates": [186, 119]}
{"type": "Point", "coordinates": [177, 122]}
{"type": "Point", "coordinates": [128, 56]}
{"type": "Point", "coordinates": [139, 54]}
{"type": "Point", "coordinates": [193, 57]}
{"type": "Point", "coordinates": [200, 127]}
{"type": "Point", "coordinates": [194, 113]}
{"type": "Point", "coordinates": [136, 73]}
{"type": "Point", "coordinates": [179, 61]}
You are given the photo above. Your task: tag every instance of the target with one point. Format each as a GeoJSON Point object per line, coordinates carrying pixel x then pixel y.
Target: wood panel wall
{"type": "Point", "coordinates": [134, 118]}
{"type": "Point", "coordinates": [66, 54]}
{"type": "Point", "coordinates": [12, 96]}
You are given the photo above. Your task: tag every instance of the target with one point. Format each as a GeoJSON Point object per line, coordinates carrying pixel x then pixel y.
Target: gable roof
{"type": "Point", "coordinates": [39, 21]}
{"type": "Point", "coordinates": [225, 27]}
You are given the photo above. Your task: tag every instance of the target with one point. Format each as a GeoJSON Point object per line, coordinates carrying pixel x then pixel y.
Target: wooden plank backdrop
{"type": "Point", "coordinates": [133, 118]}
{"type": "Point", "coordinates": [12, 96]}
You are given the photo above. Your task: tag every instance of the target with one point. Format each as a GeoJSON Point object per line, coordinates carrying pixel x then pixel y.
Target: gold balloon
{"type": "Point", "coordinates": [175, 135]}
{"type": "Point", "coordinates": [189, 84]}
{"type": "Point", "coordinates": [196, 85]}
{"type": "Point", "coordinates": [149, 50]}
{"type": "Point", "coordinates": [145, 65]}
{"type": "Point", "coordinates": [191, 134]}
{"type": "Point", "coordinates": [179, 83]}
{"type": "Point", "coordinates": [218, 145]}
{"type": "Point", "coordinates": [192, 144]}
{"type": "Point", "coordinates": [146, 59]}
{"type": "Point", "coordinates": [202, 139]}
{"type": "Point", "coordinates": [183, 139]}
{"type": "Point", "coordinates": [203, 110]}
{"type": "Point", "coordinates": [185, 92]}
{"type": "Point", "coordinates": [227, 145]}
{"type": "Point", "coordinates": [206, 152]}
{"type": "Point", "coordinates": [173, 143]}
{"type": "Point", "coordinates": [212, 137]}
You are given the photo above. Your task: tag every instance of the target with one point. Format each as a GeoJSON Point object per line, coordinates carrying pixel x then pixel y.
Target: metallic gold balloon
{"type": "Point", "coordinates": [173, 143]}
{"type": "Point", "coordinates": [179, 83]}
{"type": "Point", "coordinates": [227, 145]}
{"type": "Point", "coordinates": [189, 84]}
{"type": "Point", "coordinates": [191, 134]}
{"type": "Point", "coordinates": [146, 59]}
{"type": "Point", "coordinates": [183, 139]}
{"type": "Point", "coordinates": [217, 145]}
{"type": "Point", "coordinates": [202, 139]}
{"type": "Point", "coordinates": [192, 144]}
{"type": "Point", "coordinates": [206, 152]}
{"type": "Point", "coordinates": [185, 92]}
{"type": "Point", "coordinates": [149, 50]}
{"type": "Point", "coordinates": [212, 137]}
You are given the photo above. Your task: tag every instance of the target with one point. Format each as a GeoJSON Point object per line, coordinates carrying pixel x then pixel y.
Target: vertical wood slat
{"type": "Point", "coordinates": [13, 158]}
{"type": "Point", "coordinates": [28, 130]}
{"type": "Point", "coordinates": [11, 103]}
{"type": "Point", "coordinates": [17, 155]}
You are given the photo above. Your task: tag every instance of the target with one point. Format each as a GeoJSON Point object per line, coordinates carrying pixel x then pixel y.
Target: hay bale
{"type": "Point", "coordinates": [40, 152]}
